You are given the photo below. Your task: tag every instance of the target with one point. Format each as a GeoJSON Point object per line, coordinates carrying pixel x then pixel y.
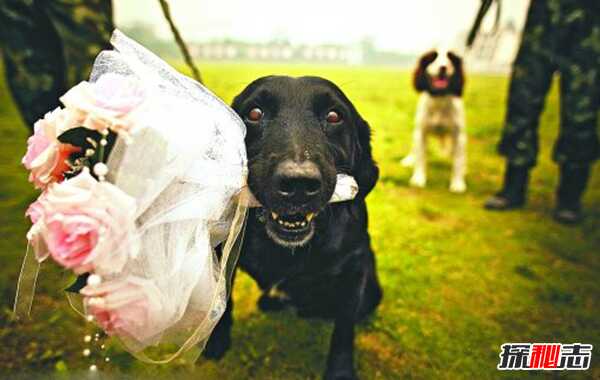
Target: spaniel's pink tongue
{"type": "Point", "coordinates": [440, 83]}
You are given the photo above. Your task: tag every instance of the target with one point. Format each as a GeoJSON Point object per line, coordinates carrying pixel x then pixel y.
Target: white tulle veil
{"type": "Point", "coordinates": [186, 169]}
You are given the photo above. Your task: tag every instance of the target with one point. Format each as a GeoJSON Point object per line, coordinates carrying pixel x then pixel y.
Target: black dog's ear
{"type": "Point", "coordinates": [420, 76]}
{"type": "Point", "coordinates": [366, 172]}
{"type": "Point", "coordinates": [454, 58]}
{"type": "Point", "coordinates": [457, 81]}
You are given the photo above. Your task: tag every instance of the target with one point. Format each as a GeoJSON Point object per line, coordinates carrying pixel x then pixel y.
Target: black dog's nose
{"type": "Point", "coordinates": [297, 180]}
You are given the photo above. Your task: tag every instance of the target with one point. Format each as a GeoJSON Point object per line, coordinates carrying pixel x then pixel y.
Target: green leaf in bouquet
{"type": "Point", "coordinates": [78, 284]}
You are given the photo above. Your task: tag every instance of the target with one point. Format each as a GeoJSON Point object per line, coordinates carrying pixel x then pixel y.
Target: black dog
{"type": "Point", "coordinates": [301, 133]}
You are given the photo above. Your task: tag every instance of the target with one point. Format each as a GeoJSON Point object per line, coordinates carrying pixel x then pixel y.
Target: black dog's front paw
{"type": "Point", "coordinates": [217, 346]}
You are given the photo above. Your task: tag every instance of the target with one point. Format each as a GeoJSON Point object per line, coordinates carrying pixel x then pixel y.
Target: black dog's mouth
{"type": "Point", "coordinates": [290, 229]}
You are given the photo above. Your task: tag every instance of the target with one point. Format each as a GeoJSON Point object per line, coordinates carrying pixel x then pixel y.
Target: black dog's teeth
{"type": "Point", "coordinates": [293, 221]}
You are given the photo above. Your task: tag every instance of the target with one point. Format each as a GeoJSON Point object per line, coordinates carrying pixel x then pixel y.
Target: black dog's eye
{"type": "Point", "coordinates": [333, 117]}
{"type": "Point", "coordinates": [255, 114]}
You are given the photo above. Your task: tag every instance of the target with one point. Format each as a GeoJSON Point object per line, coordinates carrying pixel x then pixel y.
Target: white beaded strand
{"type": "Point", "coordinates": [101, 170]}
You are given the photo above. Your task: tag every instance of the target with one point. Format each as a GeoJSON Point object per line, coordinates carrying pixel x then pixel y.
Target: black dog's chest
{"type": "Point", "coordinates": [295, 279]}
{"type": "Point", "coordinates": [311, 277]}
{"type": "Point", "coordinates": [314, 269]}
{"type": "Point", "coordinates": [271, 265]}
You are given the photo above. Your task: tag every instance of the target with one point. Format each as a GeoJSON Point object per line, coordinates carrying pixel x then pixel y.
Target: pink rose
{"type": "Point", "coordinates": [105, 104]}
{"type": "Point", "coordinates": [84, 224]}
{"type": "Point", "coordinates": [46, 157]}
{"type": "Point", "coordinates": [35, 211]}
{"type": "Point", "coordinates": [71, 238]}
{"type": "Point", "coordinates": [36, 144]}
{"type": "Point", "coordinates": [128, 307]}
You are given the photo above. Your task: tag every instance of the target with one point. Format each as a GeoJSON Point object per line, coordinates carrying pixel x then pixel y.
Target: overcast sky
{"type": "Point", "coordinates": [401, 25]}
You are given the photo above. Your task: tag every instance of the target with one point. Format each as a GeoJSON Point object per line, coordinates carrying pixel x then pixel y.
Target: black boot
{"type": "Point", "coordinates": [573, 181]}
{"type": "Point", "coordinates": [513, 193]}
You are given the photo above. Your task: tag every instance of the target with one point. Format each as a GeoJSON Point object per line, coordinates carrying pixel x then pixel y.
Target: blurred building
{"type": "Point", "coordinates": [277, 52]}
{"type": "Point", "coordinates": [361, 53]}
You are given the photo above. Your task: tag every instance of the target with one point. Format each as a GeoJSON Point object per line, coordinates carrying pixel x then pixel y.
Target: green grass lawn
{"type": "Point", "coordinates": [458, 281]}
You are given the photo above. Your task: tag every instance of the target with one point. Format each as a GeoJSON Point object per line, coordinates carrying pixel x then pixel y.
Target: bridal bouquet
{"type": "Point", "coordinates": [143, 196]}
{"type": "Point", "coordinates": [141, 176]}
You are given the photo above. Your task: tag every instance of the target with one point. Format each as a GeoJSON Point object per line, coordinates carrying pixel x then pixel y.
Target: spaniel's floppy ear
{"type": "Point", "coordinates": [455, 59]}
{"type": "Point", "coordinates": [365, 169]}
{"type": "Point", "coordinates": [419, 76]}
{"type": "Point", "coordinates": [457, 81]}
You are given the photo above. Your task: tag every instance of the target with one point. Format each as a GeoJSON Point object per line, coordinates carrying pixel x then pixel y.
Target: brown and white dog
{"type": "Point", "coordinates": [439, 78]}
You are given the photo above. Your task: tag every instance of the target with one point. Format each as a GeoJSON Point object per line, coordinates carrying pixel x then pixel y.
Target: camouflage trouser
{"type": "Point", "coordinates": [49, 46]}
{"type": "Point", "coordinates": [560, 36]}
